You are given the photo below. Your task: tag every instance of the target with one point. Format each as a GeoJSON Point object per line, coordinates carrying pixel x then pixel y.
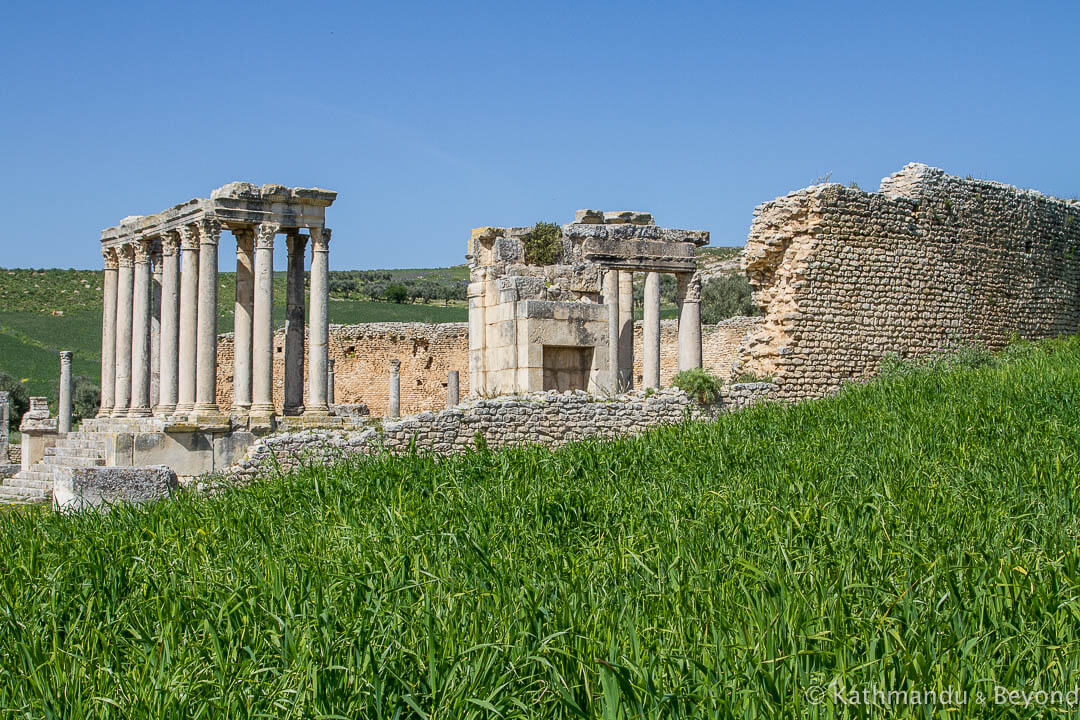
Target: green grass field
{"type": "Point", "coordinates": [915, 533]}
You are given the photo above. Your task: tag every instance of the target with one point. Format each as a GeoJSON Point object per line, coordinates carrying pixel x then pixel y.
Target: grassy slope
{"type": "Point", "coordinates": [919, 532]}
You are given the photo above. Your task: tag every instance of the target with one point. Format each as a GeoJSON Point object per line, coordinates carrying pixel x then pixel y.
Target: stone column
{"type": "Point", "coordinates": [650, 345]}
{"type": "Point", "coordinates": [452, 386]}
{"type": "Point", "coordinates": [140, 333]}
{"type": "Point", "coordinates": [170, 323]}
{"type": "Point", "coordinates": [5, 421]}
{"type": "Point", "coordinates": [63, 415]}
{"type": "Point", "coordinates": [626, 329]}
{"type": "Point", "coordinates": [294, 324]}
{"type": "Point", "coordinates": [611, 299]}
{"type": "Point", "coordinates": [262, 330]}
{"type": "Point", "coordinates": [330, 382]}
{"type": "Point", "coordinates": [108, 335]}
{"type": "Point", "coordinates": [319, 323]}
{"type": "Point", "coordinates": [155, 329]}
{"type": "Point", "coordinates": [394, 412]}
{"type": "Point", "coordinates": [689, 296]}
{"type": "Point", "coordinates": [189, 313]}
{"type": "Point", "coordinates": [244, 309]}
{"type": "Point", "coordinates": [125, 278]}
{"type": "Point", "coordinates": [207, 414]}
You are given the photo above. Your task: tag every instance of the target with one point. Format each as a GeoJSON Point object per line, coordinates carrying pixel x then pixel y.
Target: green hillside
{"type": "Point", "coordinates": [915, 533]}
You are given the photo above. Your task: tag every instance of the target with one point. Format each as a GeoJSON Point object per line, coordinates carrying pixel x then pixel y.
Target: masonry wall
{"type": "Point", "coordinates": [548, 418]}
{"type": "Point", "coordinates": [929, 262]}
{"type": "Point", "coordinates": [362, 355]}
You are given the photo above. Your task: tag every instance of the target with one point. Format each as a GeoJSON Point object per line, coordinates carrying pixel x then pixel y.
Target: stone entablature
{"type": "Point", "coordinates": [928, 262]}
{"type": "Point", "coordinates": [159, 329]}
{"type": "Point", "coordinates": [569, 325]}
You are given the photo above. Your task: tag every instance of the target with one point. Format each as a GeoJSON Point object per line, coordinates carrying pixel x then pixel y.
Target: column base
{"type": "Point", "coordinates": [104, 413]}
{"type": "Point", "coordinates": [139, 412]}
{"type": "Point", "coordinates": [209, 417]}
{"type": "Point", "coordinates": [262, 418]}
{"type": "Point", "coordinates": [119, 412]}
{"type": "Point", "coordinates": [317, 412]}
{"type": "Point", "coordinates": [164, 411]}
{"type": "Point", "coordinates": [294, 410]}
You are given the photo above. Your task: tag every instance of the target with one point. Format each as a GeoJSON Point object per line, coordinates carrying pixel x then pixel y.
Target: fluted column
{"type": "Point", "coordinates": [611, 299]}
{"type": "Point", "coordinates": [189, 314]}
{"type": "Point", "coordinates": [294, 324]}
{"type": "Point", "coordinates": [140, 333]}
{"type": "Point", "coordinates": [245, 304]}
{"type": "Point", "coordinates": [108, 334]}
{"type": "Point", "coordinates": [207, 413]}
{"type": "Point", "coordinates": [689, 296]}
{"type": "Point", "coordinates": [124, 286]}
{"type": "Point", "coordinates": [155, 327]}
{"type": "Point", "coordinates": [63, 422]}
{"type": "Point", "coordinates": [626, 329]}
{"type": "Point", "coordinates": [319, 323]}
{"type": "Point", "coordinates": [170, 323]}
{"type": "Point", "coordinates": [262, 343]}
{"type": "Point", "coordinates": [650, 336]}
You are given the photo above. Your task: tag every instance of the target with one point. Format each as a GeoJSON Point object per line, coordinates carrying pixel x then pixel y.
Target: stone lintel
{"type": "Point", "coordinates": [636, 232]}
{"type": "Point", "coordinates": [641, 255]}
{"type": "Point", "coordinates": [561, 310]}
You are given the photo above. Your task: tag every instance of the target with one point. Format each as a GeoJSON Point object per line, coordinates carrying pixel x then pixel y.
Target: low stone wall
{"type": "Point", "coordinates": [547, 418]}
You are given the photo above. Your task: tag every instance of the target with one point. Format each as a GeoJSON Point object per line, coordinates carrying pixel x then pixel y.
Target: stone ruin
{"type": "Point", "coordinates": [928, 262]}
{"type": "Point", "coordinates": [568, 324]}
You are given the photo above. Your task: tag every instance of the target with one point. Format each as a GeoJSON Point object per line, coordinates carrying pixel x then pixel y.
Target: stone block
{"type": "Point", "coordinates": [99, 487]}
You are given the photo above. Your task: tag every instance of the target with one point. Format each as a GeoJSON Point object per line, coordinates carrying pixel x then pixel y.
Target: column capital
{"type": "Point", "coordinates": [689, 286]}
{"type": "Point", "coordinates": [209, 231]}
{"type": "Point", "coordinates": [111, 262]}
{"type": "Point", "coordinates": [320, 239]}
{"type": "Point", "coordinates": [125, 255]}
{"type": "Point", "coordinates": [65, 357]}
{"type": "Point", "coordinates": [170, 242]}
{"type": "Point", "coordinates": [142, 248]}
{"type": "Point", "coordinates": [264, 235]}
{"type": "Point", "coordinates": [296, 242]}
{"type": "Point", "coordinates": [189, 237]}
{"type": "Point", "coordinates": [244, 236]}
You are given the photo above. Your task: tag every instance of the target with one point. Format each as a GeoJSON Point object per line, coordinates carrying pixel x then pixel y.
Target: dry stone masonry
{"type": "Point", "coordinates": [928, 262]}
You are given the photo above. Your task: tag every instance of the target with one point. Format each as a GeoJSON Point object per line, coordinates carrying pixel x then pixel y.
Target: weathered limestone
{"type": "Point", "coordinates": [611, 299]}
{"type": "Point", "coordinates": [651, 332]}
{"type": "Point", "coordinates": [330, 382]}
{"type": "Point", "coordinates": [689, 299]}
{"type": "Point", "coordinates": [189, 314]}
{"type": "Point", "coordinates": [294, 325]}
{"type": "Point", "coordinates": [395, 389]}
{"type": "Point", "coordinates": [452, 384]}
{"type": "Point", "coordinates": [84, 488]}
{"type": "Point", "coordinates": [5, 430]}
{"type": "Point", "coordinates": [243, 314]}
{"type": "Point", "coordinates": [262, 405]}
{"type": "Point", "coordinates": [140, 334]}
{"type": "Point", "coordinates": [206, 412]}
{"type": "Point", "coordinates": [124, 297]}
{"type": "Point", "coordinates": [626, 329]}
{"type": "Point", "coordinates": [170, 325]}
{"type": "Point", "coordinates": [63, 425]}
{"type": "Point", "coordinates": [155, 328]}
{"type": "Point", "coordinates": [561, 326]}
{"type": "Point", "coordinates": [108, 334]}
{"type": "Point", "coordinates": [38, 432]}
{"type": "Point", "coordinates": [319, 326]}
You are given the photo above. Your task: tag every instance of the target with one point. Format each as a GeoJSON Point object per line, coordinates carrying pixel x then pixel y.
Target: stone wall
{"type": "Point", "coordinates": [548, 418]}
{"type": "Point", "coordinates": [928, 262]}
{"type": "Point", "coordinates": [362, 355]}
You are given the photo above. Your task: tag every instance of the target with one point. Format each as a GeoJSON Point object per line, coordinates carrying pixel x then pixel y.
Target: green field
{"type": "Point", "coordinates": [915, 533]}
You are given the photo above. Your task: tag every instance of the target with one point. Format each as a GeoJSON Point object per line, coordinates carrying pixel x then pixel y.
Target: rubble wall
{"type": "Point", "coordinates": [929, 262]}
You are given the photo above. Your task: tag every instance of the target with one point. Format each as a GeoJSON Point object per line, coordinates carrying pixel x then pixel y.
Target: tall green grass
{"type": "Point", "coordinates": [919, 532]}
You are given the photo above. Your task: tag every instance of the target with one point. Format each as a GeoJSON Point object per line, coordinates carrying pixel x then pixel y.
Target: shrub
{"type": "Point", "coordinates": [700, 384]}
{"type": "Point", "coordinates": [85, 398]}
{"type": "Point", "coordinates": [726, 296]}
{"type": "Point", "coordinates": [396, 293]}
{"type": "Point", "coordinates": [18, 400]}
{"type": "Point", "coordinates": [543, 244]}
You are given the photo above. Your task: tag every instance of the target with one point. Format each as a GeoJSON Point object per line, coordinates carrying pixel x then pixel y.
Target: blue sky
{"type": "Point", "coordinates": [431, 119]}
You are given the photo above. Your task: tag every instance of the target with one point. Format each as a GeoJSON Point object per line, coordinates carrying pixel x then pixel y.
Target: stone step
{"type": "Point", "coordinates": [87, 443]}
{"type": "Point", "coordinates": [73, 461]}
{"type": "Point", "coordinates": [36, 484]}
{"type": "Point", "coordinates": [74, 452]}
{"type": "Point", "coordinates": [19, 496]}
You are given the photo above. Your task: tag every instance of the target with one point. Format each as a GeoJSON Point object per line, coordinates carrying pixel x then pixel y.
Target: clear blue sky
{"type": "Point", "coordinates": [431, 119]}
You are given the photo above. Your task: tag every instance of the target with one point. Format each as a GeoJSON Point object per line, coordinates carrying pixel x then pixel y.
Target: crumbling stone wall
{"type": "Point", "coordinates": [362, 355]}
{"type": "Point", "coordinates": [928, 262]}
{"type": "Point", "coordinates": [548, 418]}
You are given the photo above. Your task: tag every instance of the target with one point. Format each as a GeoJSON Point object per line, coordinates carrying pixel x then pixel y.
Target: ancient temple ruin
{"type": "Point", "coordinates": [556, 312]}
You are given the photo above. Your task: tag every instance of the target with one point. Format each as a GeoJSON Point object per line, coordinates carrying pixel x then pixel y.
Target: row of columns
{"type": "Point", "coordinates": [619, 298]}
{"type": "Point", "coordinates": [160, 328]}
